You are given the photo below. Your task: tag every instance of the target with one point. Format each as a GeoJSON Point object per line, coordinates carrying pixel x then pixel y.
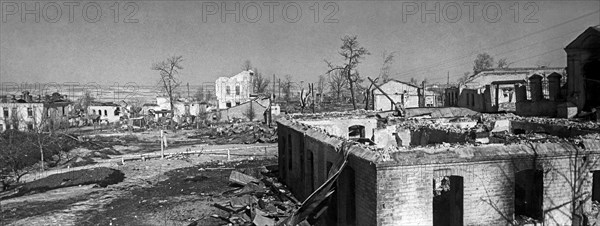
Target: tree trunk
{"type": "Point", "coordinates": [41, 154]}
{"type": "Point", "coordinates": [351, 90]}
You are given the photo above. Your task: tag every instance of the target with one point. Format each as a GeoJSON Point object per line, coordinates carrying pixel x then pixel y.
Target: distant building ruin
{"type": "Point", "coordinates": [26, 112]}
{"type": "Point", "coordinates": [232, 91]}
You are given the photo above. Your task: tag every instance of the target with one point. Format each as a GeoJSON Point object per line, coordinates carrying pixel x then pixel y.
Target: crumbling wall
{"type": "Point", "coordinates": [398, 188]}
{"type": "Point", "coordinates": [400, 136]}
{"type": "Point", "coordinates": [312, 153]}
{"type": "Point", "coordinates": [406, 198]}
{"type": "Point", "coordinates": [339, 127]}
{"type": "Point", "coordinates": [425, 136]}
{"type": "Point", "coordinates": [391, 136]}
{"type": "Point", "coordinates": [555, 130]}
{"type": "Point", "coordinates": [406, 194]}
{"type": "Point", "coordinates": [537, 108]}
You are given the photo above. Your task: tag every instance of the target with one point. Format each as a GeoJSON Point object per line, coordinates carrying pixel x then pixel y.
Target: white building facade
{"type": "Point", "coordinates": [235, 90]}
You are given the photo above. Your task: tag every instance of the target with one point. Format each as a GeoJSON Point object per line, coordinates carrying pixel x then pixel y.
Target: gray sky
{"type": "Point", "coordinates": [107, 52]}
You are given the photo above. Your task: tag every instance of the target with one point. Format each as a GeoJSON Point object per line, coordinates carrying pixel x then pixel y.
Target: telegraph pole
{"type": "Point", "coordinates": [273, 90]}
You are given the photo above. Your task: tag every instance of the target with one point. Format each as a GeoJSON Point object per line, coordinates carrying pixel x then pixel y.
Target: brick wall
{"type": "Point", "coordinates": [406, 197]}
{"type": "Point", "coordinates": [395, 192]}
{"type": "Point", "coordinates": [323, 152]}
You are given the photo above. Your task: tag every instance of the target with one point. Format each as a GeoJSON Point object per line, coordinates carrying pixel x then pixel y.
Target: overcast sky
{"type": "Point", "coordinates": [85, 50]}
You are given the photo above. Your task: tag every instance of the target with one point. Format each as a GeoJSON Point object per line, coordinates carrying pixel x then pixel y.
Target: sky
{"type": "Point", "coordinates": [106, 46]}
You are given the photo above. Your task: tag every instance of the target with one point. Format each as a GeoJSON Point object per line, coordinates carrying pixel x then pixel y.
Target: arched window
{"type": "Point", "coordinates": [356, 131]}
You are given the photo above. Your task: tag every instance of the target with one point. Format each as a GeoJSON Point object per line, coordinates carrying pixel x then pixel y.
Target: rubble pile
{"type": "Point", "coordinates": [261, 199]}
{"type": "Point", "coordinates": [242, 133]}
{"type": "Point", "coordinates": [327, 115]}
{"type": "Point", "coordinates": [415, 124]}
{"type": "Point", "coordinates": [573, 123]}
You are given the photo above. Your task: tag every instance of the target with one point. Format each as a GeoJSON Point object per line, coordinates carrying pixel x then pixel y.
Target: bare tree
{"type": "Point", "coordinates": [304, 97]}
{"type": "Point", "coordinates": [384, 72]}
{"type": "Point", "coordinates": [84, 102]}
{"type": "Point", "coordinates": [413, 81]}
{"type": "Point", "coordinates": [337, 84]}
{"type": "Point", "coordinates": [169, 70]}
{"type": "Point", "coordinates": [352, 53]}
{"type": "Point", "coordinates": [260, 83]}
{"type": "Point", "coordinates": [247, 65]}
{"type": "Point", "coordinates": [321, 87]}
{"type": "Point", "coordinates": [286, 87]}
{"type": "Point", "coordinates": [482, 62]}
{"type": "Point", "coordinates": [199, 95]}
{"type": "Point", "coordinates": [503, 63]}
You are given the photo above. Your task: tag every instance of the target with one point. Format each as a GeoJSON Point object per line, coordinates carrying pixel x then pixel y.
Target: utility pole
{"type": "Point", "coordinates": [312, 91]}
{"type": "Point", "coordinates": [162, 144]}
{"type": "Point", "coordinates": [188, 88]}
{"type": "Point", "coordinates": [273, 90]}
{"type": "Point", "coordinates": [448, 82]}
{"type": "Point", "coordinates": [279, 87]}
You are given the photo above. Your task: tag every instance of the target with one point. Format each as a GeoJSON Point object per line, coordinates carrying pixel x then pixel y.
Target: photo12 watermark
{"type": "Point", "coordinates": [71, 11]}
{"type": "Point", "coordinates": [269, 11]}
{"type": "Point", "coordinates": [453, 12]}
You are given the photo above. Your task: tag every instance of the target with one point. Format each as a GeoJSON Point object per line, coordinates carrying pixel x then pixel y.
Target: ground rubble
{"type": "Point", "coordinates": [238, 133]}
{"type": "Point", "coordinates": [259, 200]}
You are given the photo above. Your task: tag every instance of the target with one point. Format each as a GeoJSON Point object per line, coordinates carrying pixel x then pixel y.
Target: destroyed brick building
{"type": "Point", "coordinates": [27, 112]}
{"type": "Point", "coordinates": [583, 67]}
{"type": "Point", "coordinates": [500, 89]}
{"type": "Point", "coordinates": [474, 170]}
{"type": "Point", "coordinates": [540, 91]}
{"type": "Point", "coordinates": [410, 95]}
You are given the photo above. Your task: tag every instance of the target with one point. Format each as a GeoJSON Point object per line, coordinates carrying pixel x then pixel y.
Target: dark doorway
{"type": "Point", "coordinates": [591, 74]}
{"type": "Point", "coordinates": [596, 186]}
{"type": "Point", "coordinates": [356, 131]}
{"type": "Point", "coordinates": [529, 193]}
{"type": "Point", "coordinates": [448, 201]}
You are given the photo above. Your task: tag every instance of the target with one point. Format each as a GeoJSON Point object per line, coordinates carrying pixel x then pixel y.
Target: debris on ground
{"type": "Point", "coordinates": [237, 133]}
{"type": "Point", "coordinates": [261, 200]}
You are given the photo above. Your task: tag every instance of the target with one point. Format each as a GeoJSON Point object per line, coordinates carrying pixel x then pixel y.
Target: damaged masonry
{"type": "Point", "coordinates": [478, 169]}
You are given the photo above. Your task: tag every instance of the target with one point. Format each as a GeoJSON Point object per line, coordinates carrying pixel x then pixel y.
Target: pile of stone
{"type": "Point", "coordinates": [242, 133]}
{"type": "Point", "coordinates": [261, 199]}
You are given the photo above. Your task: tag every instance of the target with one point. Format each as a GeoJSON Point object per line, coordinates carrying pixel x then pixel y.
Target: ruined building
{"type": "Point", "coordinates": [500, 89]}
{"type": "Point", "coordinates": [554, 92]}
{"type": "Point", "coordinates": [232, 91]}
{"type": "Point", "coordinates": [28, 112]}
{"type": "Point", "coordinates": [583, 67]}
{"type": "Point", "coordinates": [481, 170]}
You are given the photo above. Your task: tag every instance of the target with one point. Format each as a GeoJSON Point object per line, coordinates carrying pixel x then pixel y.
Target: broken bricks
{"type": "Point", "coordinates": [263, 202]}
